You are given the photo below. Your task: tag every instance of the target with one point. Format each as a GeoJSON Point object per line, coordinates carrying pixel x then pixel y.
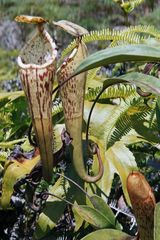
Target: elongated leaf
{"type": "Point", "coordinates": [105, 210]}
{"type": "Point", "coordinates": [157, 222]}
{"type": "Point", "coordinates": [93, 216]}
{"type": "Point", "coordinates": [118, 54]}
{"type": "Point", "coordinates": [108, 234]}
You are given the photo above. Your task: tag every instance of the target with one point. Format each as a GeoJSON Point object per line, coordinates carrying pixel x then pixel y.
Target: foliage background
{"type": "Point", "coordinates": [90, 14]}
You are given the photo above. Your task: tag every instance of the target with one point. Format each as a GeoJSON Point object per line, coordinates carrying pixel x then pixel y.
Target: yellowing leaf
{"type": "Point", "coordinates": [14, 170]}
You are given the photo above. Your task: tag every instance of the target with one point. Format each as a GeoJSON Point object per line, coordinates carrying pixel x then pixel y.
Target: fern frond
{"type": "Point", "coordinates": [57, 107]}
{"type": "Point", "coordinates": [149, 29]}
{"type": "Point", "coordinates": [122, 127]}
{"type": "Point", "coordinates": [92, 73]}
{"type": "Point", "coordinates": [117, 91]}
{"type": "Point", "coordinates": [109, 126]}
{"type": "Point", "coordinates": [152, 118]}
{"type": "Point", "coordinates": [105, 35]}
{"type": "Point", "coordinates": [122, 121]}
{"type": "Point", "coordinates": [137, 2]}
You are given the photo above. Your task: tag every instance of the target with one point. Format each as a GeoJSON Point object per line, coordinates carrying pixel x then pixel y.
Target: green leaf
{"type": "Point", "coordinates": [118, 54]}
{"type": "Point", "coordinates": [53, 210]}
{"type": "Point", "coordinates": [93, 216]}
{"type": "Point", "coordinates": [45, 224]}
{"type": "Point", "coordinates": [78, 220]}
{"type": "Point", "coordinates": [3, 101]}
{"type": "Point", "coordinates": [14, 118]}
{"type": "Point", "coordinates": [105, 210]}
{"type": "Point", "coordinates": [108, 234]}
{"type": "Point", "coordinates": [157, 222]}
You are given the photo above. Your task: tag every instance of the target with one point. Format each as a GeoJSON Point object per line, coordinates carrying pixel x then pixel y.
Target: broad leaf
{"type": "Point", "coordinates": [108, 234]}
{"type": "Point", "coordinates": [104, 209]}
{"type": "Point", "coordinates": [93, 216]}
{"type": "Point", "coordinates": [118, 159]}
{"type": "Point", "coordinates": [78, 220]}
{"type": "Point", "coordinates": [118, 54]}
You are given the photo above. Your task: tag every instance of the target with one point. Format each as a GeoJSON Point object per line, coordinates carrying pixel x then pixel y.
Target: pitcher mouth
{"type": "Point", "coordinates": [33, 57]}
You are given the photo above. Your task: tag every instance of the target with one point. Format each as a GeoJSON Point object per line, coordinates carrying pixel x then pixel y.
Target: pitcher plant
{"type": "Point", "coordinates": [143, 203]}
{"type": "Point", "coordinates": [37, 63]}
{"type": "Point", "coordinates": [72, 95]}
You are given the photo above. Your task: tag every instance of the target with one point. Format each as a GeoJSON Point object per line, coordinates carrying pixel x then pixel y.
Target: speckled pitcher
{"type": "Point", "coordinates": [37, 62]}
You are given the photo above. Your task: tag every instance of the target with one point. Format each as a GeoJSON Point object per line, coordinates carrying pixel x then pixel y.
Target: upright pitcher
{"type": "Point", "coordinates": [37, 62]}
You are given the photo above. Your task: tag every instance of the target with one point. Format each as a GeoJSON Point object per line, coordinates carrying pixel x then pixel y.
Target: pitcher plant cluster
{"type": "Point", "coordinates": [38, 70]}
